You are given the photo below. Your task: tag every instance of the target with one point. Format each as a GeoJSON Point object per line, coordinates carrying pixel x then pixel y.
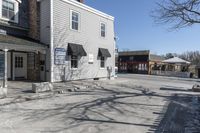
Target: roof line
{"type": "Point", "coordinates": [88, 8]}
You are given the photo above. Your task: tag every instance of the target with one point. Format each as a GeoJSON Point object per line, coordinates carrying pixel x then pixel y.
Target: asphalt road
{"type": "Point", "coordinates": [156, 82]}
{"type": "Point", "coordinates": [129, 104]}
{"type": "Point", "coordinates": [182, 111]}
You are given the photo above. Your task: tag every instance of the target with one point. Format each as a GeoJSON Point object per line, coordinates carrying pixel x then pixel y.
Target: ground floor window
{"type": "Point", "coordinates": [102, 64]}
{"type": "Point", "coordinates": [74, 61]}
{"type": "Point", "coordinates": [142, 67]}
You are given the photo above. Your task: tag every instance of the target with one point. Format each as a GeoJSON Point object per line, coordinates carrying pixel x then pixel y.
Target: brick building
{"type": "Point", "coordinates": [138, 62]}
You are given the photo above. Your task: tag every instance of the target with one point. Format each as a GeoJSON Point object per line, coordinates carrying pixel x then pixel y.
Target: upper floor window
{"type": "Point", "coordinates": [103, 30]}
{"type": "Point", "coordinates": [75, 19]}
{"type": "Point", "coordinates": [8, 9]}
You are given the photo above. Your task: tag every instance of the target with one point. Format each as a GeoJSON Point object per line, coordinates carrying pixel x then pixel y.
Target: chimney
{"type": "Point", "coordinates": [82, 1]}
{"type": "Point", "coordinates": [34, 11]}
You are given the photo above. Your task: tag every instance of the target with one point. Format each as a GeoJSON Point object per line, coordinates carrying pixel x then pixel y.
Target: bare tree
{"type": "Point", "coordinates": [179, 13]}
{"type": "Point", "coordinates": [192, 56]}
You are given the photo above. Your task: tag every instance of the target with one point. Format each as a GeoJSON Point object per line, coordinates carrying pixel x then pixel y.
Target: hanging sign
{"type": "Point", "coordinates": [91, 58]}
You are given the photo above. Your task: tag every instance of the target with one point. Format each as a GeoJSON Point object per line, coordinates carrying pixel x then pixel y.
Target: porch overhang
{"type": "Point", "coordinates": [20, 44]}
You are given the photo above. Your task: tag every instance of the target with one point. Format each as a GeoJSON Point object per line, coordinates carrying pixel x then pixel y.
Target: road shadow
{"type": "Point", "coordinates": [180, 115]}
{"type": "Point", "coordinates": [104, 104]}
{"type": "Point", "coordinates": [97, 110]}
{"type": "Point", "coordinates": [175, 89]}
{"type": "Point", "coordinates": [27, 91]}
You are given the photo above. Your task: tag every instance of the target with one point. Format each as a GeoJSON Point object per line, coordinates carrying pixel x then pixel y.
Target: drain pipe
{"type": "Point", "coordinates": [51, 43]}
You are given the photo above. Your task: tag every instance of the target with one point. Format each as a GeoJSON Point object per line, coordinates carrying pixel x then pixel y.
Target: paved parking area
{"type": "Point", "coordinates": [129, 104]}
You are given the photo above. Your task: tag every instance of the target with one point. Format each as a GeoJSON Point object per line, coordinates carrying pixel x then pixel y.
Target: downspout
{"type": "Point", "coordinates": [51, 43]}
{"type": "Point", "coordinates": [149, 63]}
{"type": "Point", "coordinates": [115, 43]}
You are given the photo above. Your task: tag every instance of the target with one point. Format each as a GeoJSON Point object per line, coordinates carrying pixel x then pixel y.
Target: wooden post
{"type": "Point", "coordinates": [5, 68]}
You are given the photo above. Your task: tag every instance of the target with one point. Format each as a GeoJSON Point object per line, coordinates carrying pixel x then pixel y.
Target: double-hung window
{"type": "Point", "coordinates": [8, 10]}
{"type": "Point", "coordinates": [102, 63]}
{"type": "Point", "coordinates": [103, 30]}
{"type": "Point", "coordinates": [75, 20]}
{"type": "Point", "coordinates": [74, 61]}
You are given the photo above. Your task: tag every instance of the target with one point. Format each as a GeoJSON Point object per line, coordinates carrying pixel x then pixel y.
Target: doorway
{"type": "Point", "coordinates": [19, 66]}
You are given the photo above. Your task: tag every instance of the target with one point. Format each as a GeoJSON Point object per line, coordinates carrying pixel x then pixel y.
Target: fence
{"type": "Point", "coordinates": [171, 73]}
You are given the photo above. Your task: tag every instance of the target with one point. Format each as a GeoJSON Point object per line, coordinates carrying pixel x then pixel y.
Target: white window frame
{"type": "Point", "coordinates": [16, 11]}
{"type": "Point", "coordinates": [79, 20]}
{"type": "Point", "coordinates": [104, 31]}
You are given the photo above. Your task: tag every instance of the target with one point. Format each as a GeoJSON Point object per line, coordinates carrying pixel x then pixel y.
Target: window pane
{"type": "Point", "coordinates": [11, 6]}
{"type": "Point", "coordinates": [103, 30]}
{"type": "Point", "coordinates": [102, 64]}
{"type": "Point", "coordinates": [4, 13]}
{"type": "Point", "coordinates": [5, 4]}
{"type": "Point", "coordinates": [75, 16]}
{"type": "Point", "coordinates": [11, 15]}
{"type": "Point", "coordinates": [74, 61]}
{"type": "Point", "coordinates": [74, 25]}
{"type": "Point", "coordinates": [102, 33]}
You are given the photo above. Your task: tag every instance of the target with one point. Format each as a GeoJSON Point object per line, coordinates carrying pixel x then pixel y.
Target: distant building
{"type": "Point", "coordinates": [173, 67]}
{"type": "Point", "coordinates": [138, 62]}
{"type": "Point", "coordinates": [195, 71]}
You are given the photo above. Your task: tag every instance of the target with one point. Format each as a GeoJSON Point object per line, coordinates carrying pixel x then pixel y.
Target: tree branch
{"type": "Point", "coordinates": [180, 13]}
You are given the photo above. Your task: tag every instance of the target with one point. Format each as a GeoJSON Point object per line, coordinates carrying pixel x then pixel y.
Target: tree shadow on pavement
{"type": "Point", "coordinates": [174, 89]}
{"type": "Point", "coordinates": [107, 103]}
{"type": "Point", "coordinates": [118, 106]}
{"type": "Point", "coordinates": [180, 115]}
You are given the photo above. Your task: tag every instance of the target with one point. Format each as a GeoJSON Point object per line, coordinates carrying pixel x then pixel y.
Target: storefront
{"type": "Point", "coordinates": [21, 59]}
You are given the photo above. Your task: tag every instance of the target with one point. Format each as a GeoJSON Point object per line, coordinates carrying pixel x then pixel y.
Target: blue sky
{"type": "Point", "coordinates": [137, 31]}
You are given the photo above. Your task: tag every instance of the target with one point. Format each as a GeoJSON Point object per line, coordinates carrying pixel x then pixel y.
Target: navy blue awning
{"type": "Point", "coordinates": [76, 49]}
{"type": "Point", "coordinates": [104, 52]}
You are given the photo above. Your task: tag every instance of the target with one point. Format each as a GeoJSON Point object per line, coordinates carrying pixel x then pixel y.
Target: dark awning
{"type": "Point", "coordinates": [76, 49]}
{"type": "Point", "coordinates": [104, 52]}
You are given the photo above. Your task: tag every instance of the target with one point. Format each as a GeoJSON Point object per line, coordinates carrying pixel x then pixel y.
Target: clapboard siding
{"type": "Point", "coordinates": [88, 36]}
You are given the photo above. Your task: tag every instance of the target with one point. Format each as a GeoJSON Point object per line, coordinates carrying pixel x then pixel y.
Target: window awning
{"type": "Point", "coordinates": [76, 49]}
{"type": "Point", "coordinates": [104, 52]}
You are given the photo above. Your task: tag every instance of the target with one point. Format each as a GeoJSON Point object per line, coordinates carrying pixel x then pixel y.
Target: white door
{"type": "Point", "coordinates": [20, 65]}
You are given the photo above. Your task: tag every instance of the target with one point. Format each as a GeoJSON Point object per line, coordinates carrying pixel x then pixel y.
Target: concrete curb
{"type": "Point", "coordinates": [3, 92]}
